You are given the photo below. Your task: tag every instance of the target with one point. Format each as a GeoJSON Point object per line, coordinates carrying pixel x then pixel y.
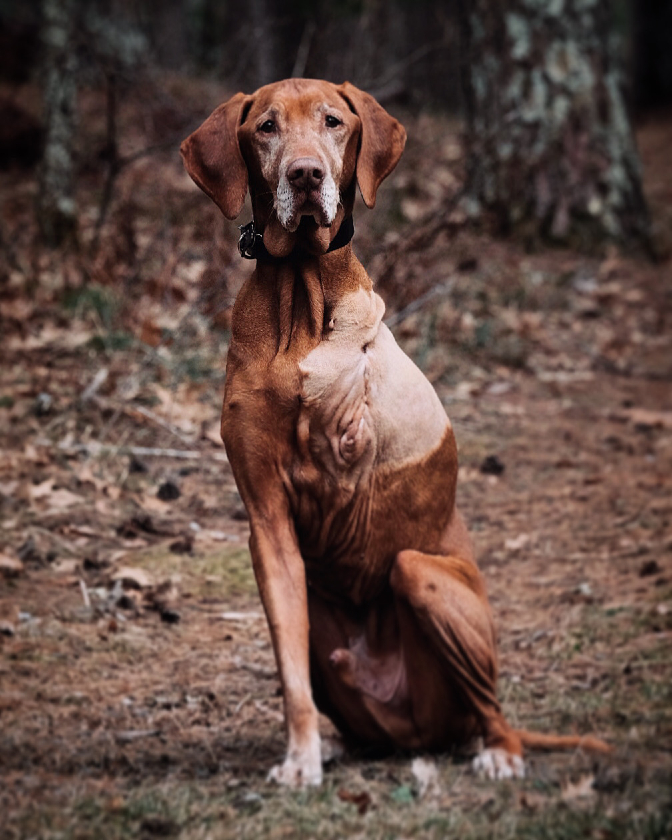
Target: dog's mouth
{"type": "Point", "coordinates": [309, 210]}
{"type": "Point", "coordinates": [309, 229]}
{"type": "Point", "coordinates": [313, 205]}
{"type": "Point", "coordinates": [292, 205]}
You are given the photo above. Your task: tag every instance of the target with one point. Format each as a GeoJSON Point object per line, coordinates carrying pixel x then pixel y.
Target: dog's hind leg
{"type": "Point", "coordinates": [443, 604]}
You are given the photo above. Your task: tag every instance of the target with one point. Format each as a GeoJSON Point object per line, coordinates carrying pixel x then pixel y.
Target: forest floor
{"type": "Point", "coordinates": [138, 690]}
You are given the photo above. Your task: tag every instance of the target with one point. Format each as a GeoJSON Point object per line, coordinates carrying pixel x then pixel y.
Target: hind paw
{"type": "Point", "coordinates": [498, 764]}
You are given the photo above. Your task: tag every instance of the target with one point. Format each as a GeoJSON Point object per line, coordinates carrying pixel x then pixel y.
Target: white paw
{"type": "Point", "coordinates": [297, 773]}
{"type": "Point", "coordinates": [498, 764]}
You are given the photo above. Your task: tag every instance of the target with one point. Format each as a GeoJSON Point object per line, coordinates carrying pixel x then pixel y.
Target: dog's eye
{"type": "Point", "coordinates": [332, 122]}
{"type": "Point", "coordinates": [267, 127]}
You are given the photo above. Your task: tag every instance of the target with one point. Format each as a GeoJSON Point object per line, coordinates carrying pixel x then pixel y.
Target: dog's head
{"type": "Point", "coordinates": [300, 145]}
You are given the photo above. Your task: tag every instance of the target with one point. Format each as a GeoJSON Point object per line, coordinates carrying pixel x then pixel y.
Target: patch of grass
{"type": "Point", "coordinates": [466, 809]}
{"type": "Point", "coordinates": [92, 299]}
{"type": "Point", "coordinates": [224, 573]}
{"type": "Point", "coordinates": [196, 367]}
{"type": "Point", "coordinates": [111, 341]}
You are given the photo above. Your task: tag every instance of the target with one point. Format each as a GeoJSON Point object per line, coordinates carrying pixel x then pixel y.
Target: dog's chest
{"type": "Point", "coordinates": [366, 413]}
{"type": "Point", "coordinates": [364, 403]}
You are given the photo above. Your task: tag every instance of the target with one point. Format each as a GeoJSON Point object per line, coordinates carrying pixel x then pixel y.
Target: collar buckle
{"type": "Point", "coordinates": [247, 242]}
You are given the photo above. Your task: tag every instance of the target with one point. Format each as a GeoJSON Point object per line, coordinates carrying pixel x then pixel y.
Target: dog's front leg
{"type": "Point", "coordinates": [281, 578]}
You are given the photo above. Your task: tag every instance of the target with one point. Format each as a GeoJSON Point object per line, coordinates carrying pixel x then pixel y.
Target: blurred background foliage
{"type": "Point", "coordinates": [408, 49]}
{"type": "Point", "coordinates": [545, 91]}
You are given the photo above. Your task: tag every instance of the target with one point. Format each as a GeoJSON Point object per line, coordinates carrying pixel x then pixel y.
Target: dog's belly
{"type": "Point", "coordinates": [375, 463]}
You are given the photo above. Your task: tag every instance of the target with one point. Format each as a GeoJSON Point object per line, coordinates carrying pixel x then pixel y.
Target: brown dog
{"type": "Point", "coordinates": [341, 449]}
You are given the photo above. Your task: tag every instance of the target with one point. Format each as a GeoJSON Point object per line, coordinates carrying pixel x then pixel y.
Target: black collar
{"type": "Point", "coordinates": [251, 244]}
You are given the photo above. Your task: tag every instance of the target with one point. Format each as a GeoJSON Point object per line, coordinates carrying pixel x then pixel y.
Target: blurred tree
{"type": "Point", "coordinates": [57, 211]}
{"type": "Point", "coordinates": [551, 153]}
{"type": "Point", "coordinates": [263, 35]}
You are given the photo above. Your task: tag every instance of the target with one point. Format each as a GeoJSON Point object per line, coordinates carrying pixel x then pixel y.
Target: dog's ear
{"type": "Point", "coordinates": [212, 157]}
{"type": "Point", "coordinates": [381, 143]}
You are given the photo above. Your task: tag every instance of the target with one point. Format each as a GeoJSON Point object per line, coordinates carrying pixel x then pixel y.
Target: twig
{"type": "Point", "coordinates": [422, 236]}
{"type": "Point", "coordinates": [96, 383]}
{"type": "Point", "coordinates": [240, 705]}
{"type": "Point", "coordinates": [68, 546]}
{"type": "Point", "coordinates": [132, 410]}
{"type": "Point", "coordinates": [159, 422]}
{"type": "Point", "coordinates": [389, 75]}
{"type": "Point", "coordinates": [419, 302]}
{"type": "Point", "coordinates": [85, 593]}
{"type": "Point", "coordinates": [93, 448]}
{"type": "Point", "coordinates": [128, 736]}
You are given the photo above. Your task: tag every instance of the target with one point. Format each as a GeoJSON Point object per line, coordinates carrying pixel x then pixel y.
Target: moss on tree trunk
{"type": "Point", "coordinates": [551, 150]}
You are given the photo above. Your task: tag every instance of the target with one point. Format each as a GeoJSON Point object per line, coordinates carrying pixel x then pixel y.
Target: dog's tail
{"type": "Point", "coordinates": [540, 741]}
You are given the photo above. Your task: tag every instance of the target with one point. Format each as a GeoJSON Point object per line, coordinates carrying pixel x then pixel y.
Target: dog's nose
{"type": "Point", "coordinates": [305, 173]}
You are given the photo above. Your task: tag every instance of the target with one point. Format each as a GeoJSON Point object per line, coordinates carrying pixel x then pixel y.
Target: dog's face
{"type": "Point", "coordinates": [299, 140]}
{"type": "Point", "coordinates": [300, 145]}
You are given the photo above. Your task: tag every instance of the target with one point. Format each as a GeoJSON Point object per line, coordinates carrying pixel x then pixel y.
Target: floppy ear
{"type": "Point", "coordinates": [381, 142]}
{"type": "Point", "coordinates": [212, 157]}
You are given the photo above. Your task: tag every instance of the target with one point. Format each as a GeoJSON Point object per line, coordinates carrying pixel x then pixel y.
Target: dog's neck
{"type": "Point", "coordinates": [306, 290]}
{"type": "Point", "coordinates": [285, 308]}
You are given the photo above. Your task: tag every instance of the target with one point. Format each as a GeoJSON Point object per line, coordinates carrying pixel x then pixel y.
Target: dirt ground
{"type": "Point", "coordinates": [138, 691]}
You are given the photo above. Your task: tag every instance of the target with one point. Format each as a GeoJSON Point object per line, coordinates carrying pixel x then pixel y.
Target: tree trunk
{"type": "Point", "coordinates": [57, 212]}
{"type": "Point", "coordinates": [550, 148]}
{"type": "Point", "coordinates": [263, 35]}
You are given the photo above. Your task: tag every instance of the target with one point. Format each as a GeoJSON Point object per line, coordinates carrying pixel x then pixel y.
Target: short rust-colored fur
{"type": "Point", "coordinates": [342, 452]}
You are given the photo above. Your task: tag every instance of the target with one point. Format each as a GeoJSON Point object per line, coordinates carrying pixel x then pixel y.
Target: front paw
{"type": "Point", "coordinates": [297, 773]}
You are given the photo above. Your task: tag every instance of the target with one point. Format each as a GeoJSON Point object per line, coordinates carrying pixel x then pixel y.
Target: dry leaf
{"type": "Point", "coordinates": [645, 419]}
{"type": "Point", "coordinates": [151, 503]}
{"type": "Point", "coordinates": [133, 577]}
{"type": "Point", "coordinates": [40, 491]}
{"type": "Point", "coordinates": [86, 475]}
{"type": "Point", "coordinates": [64, 499]}
{"type": "Point", "coordinates": [530, 801]}
{"type": "Point", "coordinates": [150, 333]}
{"type": "Point", "coordinates": [516, 543]}
{"type": "Point", "coordinates": [68, 566]}
{"type": "Point", "coordinates": [362, 800]}
{"type": "Point", "coordinates": [10, 566]}
{"type": "Point", "coordinates": [579, 790]}
{"type": "Point", "coordinates": [427, 776]}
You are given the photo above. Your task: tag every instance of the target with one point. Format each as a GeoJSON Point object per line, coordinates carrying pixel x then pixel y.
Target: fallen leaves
{"type": "Point", "coordinates": [133, 578]}
{"type": "Point", "coordinates": [10, 566]}
{"type": "Point", "coordinates": [360, 799]}
{"type": "Point", "coordinates": [644, 419]}
{"type": "Point", "coordinates": [581, 789]}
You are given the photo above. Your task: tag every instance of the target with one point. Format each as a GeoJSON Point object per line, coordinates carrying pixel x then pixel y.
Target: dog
{"type": "Point", "coordinates": [342, 451]}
